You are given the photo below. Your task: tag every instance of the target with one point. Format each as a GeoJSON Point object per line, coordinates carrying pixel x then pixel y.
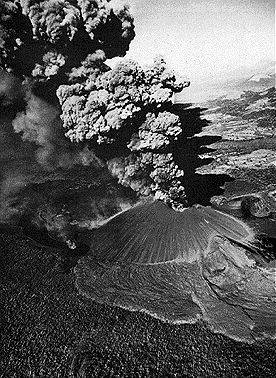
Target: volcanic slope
{"type": "Point", "coordinates": [181, 267]}
{"type": "Point", "coordinates": [49, 331]}
{"type": "Point", "coordinates": [154, 233]}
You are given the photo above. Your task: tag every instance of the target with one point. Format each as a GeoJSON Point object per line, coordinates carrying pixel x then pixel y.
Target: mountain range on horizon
{"type": "Point", "coordinates": [231, 83]}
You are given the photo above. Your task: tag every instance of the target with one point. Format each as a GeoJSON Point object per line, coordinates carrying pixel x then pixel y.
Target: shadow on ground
{"type": "Point", "coordinates": [186, 150]}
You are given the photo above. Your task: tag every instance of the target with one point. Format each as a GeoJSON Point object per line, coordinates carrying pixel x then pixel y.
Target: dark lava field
{"type": "Point", "coordinates": [49, 330]}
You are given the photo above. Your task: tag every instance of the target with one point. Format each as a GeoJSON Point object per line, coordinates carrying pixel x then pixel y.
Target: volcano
{"type": "Point", "coordinates": [152, 233]}
{"type": "Point", "coordinates": [181, 267]}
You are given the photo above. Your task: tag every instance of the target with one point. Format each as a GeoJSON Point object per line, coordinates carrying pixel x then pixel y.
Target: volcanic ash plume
{"type": "Point", "coordinates": [34, 154]}
{"type": "Point", "coordinates": [40, 123]}
{"type": "Point", "coordinates": [177, 266]}
{"type": "Point", "coordinates": [40, 38]}
{"type": "Point", "coordinates": [126, 110]}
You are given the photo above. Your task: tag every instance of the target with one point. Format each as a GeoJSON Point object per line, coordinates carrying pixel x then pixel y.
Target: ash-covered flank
{"type": "Point", "coordinates": [181, 267]}
{"type": "Point", "coordinates": [154, 233]}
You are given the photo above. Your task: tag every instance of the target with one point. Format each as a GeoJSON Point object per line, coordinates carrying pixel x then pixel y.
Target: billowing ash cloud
{"type": "Point", "coordinates": [40, 123]}
{"type": "Point", "coordinates": [33, 148]}
{"type": "Point", "coordinates": [66, 43]}
{"type": "Point", "coordinates": [118, 118]}
{"type": "Point", "coordinates": [49, 43]}
{"type": "Point", "coordinates": [150, 173]}
{"type": "Point", "coordinates": [107, 102]}
{"type": "Point", "coordinates": [128, 106]}
{"type": "Point", "coordinates": [41, 38]}
{"type": "Point", "coordinates": [116, 122]}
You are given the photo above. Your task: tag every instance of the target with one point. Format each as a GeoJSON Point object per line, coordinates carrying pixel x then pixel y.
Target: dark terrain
{"type": "Point", "coordinates": [48, 330]}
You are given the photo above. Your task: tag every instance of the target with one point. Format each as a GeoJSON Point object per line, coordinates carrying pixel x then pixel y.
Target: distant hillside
{"type": "Point", "coordinates": [231, 84]}
{"type": "Point", "coordinates": [260, 80]}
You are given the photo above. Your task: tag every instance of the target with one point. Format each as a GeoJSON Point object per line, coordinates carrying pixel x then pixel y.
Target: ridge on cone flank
{"type": "Point", "coordinates": [154, 233]}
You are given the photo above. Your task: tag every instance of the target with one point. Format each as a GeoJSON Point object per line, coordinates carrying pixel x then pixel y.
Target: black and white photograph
{"type": "Point", "coordinates": [137, 189]}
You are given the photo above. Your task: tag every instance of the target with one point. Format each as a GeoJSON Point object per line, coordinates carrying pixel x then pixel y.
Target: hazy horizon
{"type": "Point", "coordinates": [202, 38]}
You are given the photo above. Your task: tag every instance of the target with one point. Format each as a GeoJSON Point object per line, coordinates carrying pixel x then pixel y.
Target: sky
{"type": "Point", "coordinates": [200, 38]}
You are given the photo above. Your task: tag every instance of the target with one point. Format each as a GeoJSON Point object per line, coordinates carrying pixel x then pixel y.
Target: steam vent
{"type": "Point", "coordinates": [181, 267]}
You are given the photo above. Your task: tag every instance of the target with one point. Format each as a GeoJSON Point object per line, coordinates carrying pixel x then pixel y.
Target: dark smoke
{"type": "Point", "coordinates": [40, 123]}
{"type": "Point", "coordinates": [77, 114]}
{"type": "Point", "coordinates": [46, 39]}
{"type": "Point", "coordinates": [37, 161]}
{"type": "Point", "coordinates": [127, 110]}
{"type": "Point", "coordinates": [121, 113]}
{"type": "Point", "coordinates": [48, 43]}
